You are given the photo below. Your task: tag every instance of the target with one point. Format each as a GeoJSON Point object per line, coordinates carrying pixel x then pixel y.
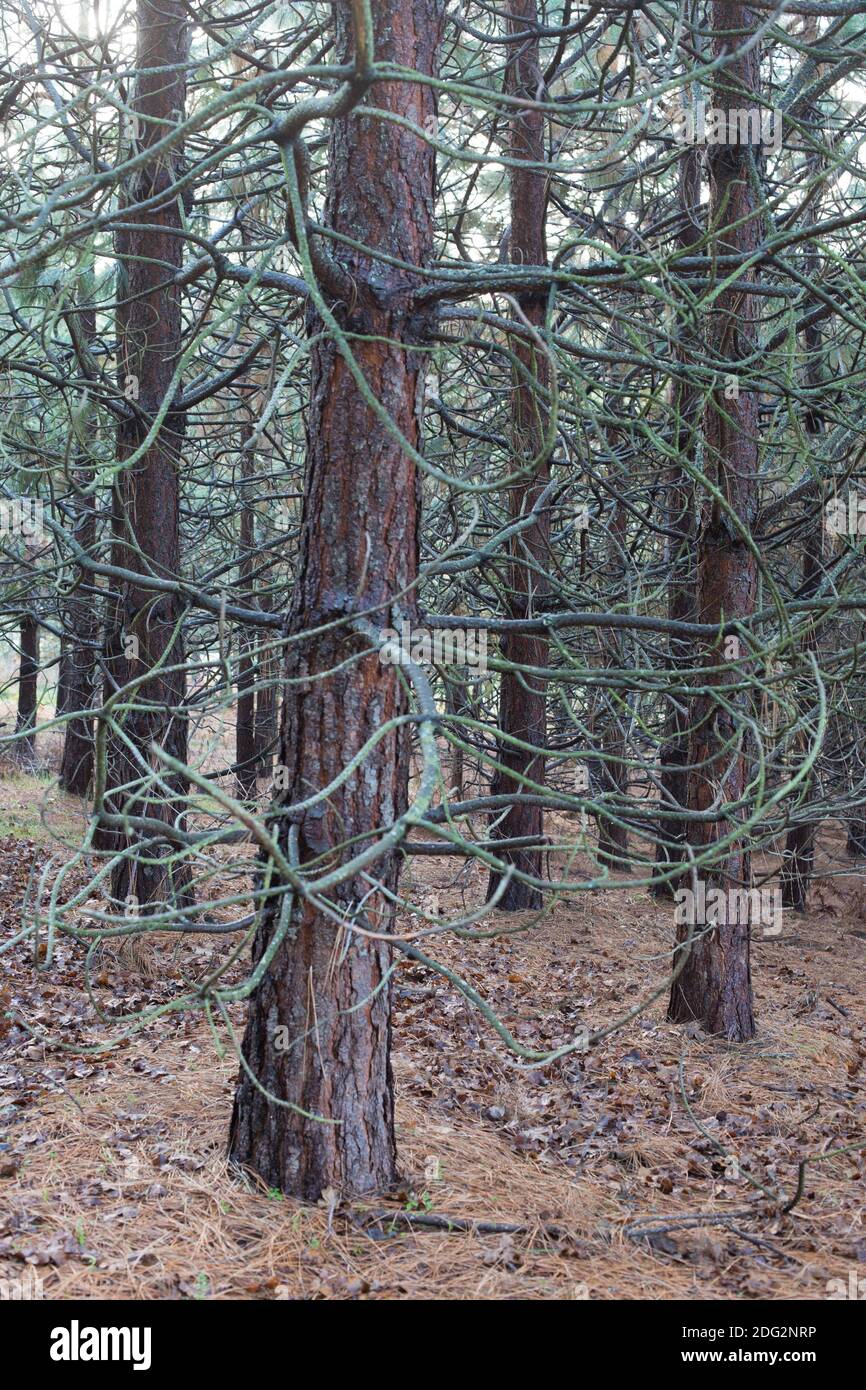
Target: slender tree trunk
{"type": "Point", "coordinates": [612, 771]}
{"type": "Point", "coordinates": [143, 626]}
{"type": "Point", "coordinates": [246, 749]}
{"type": "Point", "coordinates": [76, 682]}
{"type": "Point", "coordinates": [523, 698]}
{"type": "Point", "coordinates": [799, 859]}
{"type": "Point", "coordinates": [62, 693]}
{"type": "Point", "coordinates": [680, 546]}
{"type": "Point", "coordinates": [715, 986]}
{"type": "Point", "coordinates": [327, 986]}
{"type": "Point", "coordinates": [267, 711]}
{"type": "Point", "coordinates": [455, 703]}
{"type": "Point", "coordinates": [77, 679]}
{"type": "Point", "coordinates": [28, 675]}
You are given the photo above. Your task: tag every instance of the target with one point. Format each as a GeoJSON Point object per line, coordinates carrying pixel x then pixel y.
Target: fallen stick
{"type": "Point", "coordinates": [460, 1224]}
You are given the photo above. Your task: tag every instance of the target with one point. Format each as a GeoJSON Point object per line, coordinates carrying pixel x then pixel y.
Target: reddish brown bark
{"type": "Point", "coordinates": [523, 698]}
{"type": "Point", "coordinates": [715, 986]}
{"type": "Point", "coordinates": [146, 495]}
{"type": "Point", "coordinates": [327, 987]}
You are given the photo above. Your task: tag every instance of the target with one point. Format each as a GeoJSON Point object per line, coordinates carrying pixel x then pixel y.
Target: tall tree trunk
{"type": "Point", "coordinates": [62, 693]}
{"type": "Point", "coordinates": [455, 704]}
{"type": "Point", "coordinates": [77, 678]}
{"type": "Point", "coordinates": [246, 749]}
{"type": "Point", "coordinates": [680, 545]}
{"type": "Point", "coordinates": [612, 770]}
{"type": "Point", "coordinates": [267, 713]}
{"type": "Point", "coordinates": [523, 698]}
{"type": "Point", "coordinates": [799, 859]}
{"type": "Point", "coordinates": [76, 681]}
{"type": "Point", "coordinates": [28, 676]}
{"type": "Point", "coordinates": [327, 986]}
{"type": "Point", "coordinates": [144, 626]}
{"type": "Point", "coordinates": [715, 986]}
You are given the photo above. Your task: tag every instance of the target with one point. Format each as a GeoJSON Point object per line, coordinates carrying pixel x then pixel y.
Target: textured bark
{"type": "Point", "coordinates": [522, 699]}
{"type": "Point", "coordinates": [715, 986]}
{"type": "Point", "coordinates": [359, 550]}
{"type": "Point", "coordinates": [680, 546]}
{"type": "Point", "coordinates": [28, 675]}
{"type": "Point", "coordinates": [145, 502]}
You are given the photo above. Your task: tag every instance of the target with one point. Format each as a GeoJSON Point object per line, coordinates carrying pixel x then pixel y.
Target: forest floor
{"type": "Point", "coordinates": [622, 1172]}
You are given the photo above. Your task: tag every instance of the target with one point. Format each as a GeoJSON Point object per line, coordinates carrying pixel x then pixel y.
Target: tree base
{"type": "Point", "coordinates": [518, 897]}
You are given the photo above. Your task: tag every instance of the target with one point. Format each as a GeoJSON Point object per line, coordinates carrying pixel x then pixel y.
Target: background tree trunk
{"type": "Point", "coordinates": [611, 771]}
{"type": "Point", "coordinates": [246, 747]}
{"type": "Point", "coordinates": [76, 681]}
{"type": "Point", "coordinates": [522, 699]}
{"type": "Point", "coordinates": [76, 684]}
{"type": "Point", "coordinates": [799, 858]}
{"type": "Point", "coordinates": [146, 495]}
{"type": "Point", "coordinates": [680, 549]}
{"type": "Point", "coordinates": [28, 675]}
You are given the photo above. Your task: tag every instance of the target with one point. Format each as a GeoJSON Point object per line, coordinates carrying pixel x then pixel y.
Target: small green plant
{"type": "Point", "coordinates": [417, 1201]}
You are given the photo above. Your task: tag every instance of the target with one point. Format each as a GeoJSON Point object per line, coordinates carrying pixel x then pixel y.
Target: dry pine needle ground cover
{"type": "Point", "coordinates": [615, 1174]}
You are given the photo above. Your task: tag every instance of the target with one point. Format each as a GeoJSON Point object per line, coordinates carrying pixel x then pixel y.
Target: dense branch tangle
{"type": "Point", "coordinates": [331, 333]}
